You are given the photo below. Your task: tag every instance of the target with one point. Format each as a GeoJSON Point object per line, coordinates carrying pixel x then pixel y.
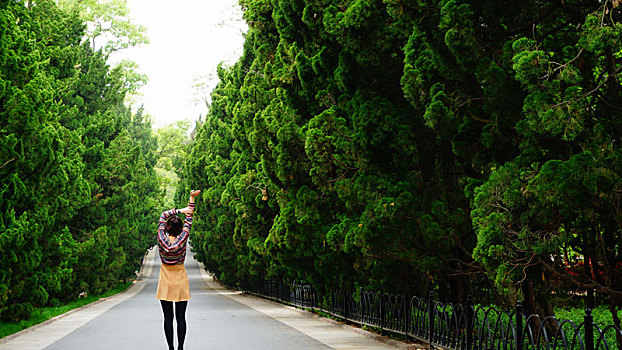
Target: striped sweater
{"type": "Point", "coordinates": [173, 249]}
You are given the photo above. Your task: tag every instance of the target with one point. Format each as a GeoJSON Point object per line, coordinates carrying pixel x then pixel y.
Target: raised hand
{"type": "Point", "coordinates": [194, 193]}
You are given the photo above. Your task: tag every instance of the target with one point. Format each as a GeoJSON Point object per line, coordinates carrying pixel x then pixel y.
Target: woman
{"type": "Point", "coordinates": [173, 286]}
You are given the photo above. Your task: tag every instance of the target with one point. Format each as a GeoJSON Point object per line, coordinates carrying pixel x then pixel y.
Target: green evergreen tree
{"type": "Point", "coordinates": [78, 190]}
{"type": "Point", "coordinates": [463, 145]}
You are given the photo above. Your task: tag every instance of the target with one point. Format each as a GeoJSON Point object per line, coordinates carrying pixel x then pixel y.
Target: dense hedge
{"type": "Point", "coordinates": [461, 144]}
{"type": "Point", "coordinates": [77, 184]}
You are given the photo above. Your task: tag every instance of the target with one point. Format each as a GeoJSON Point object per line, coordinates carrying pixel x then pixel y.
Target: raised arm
{"type": "Point", "coordinates": [188, 211]}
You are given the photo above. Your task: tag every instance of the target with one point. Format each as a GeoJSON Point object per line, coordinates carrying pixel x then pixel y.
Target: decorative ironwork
{"type": "Point", "coordinates": [304, 295]}
{"type": "Point", "coordinates": [446, 325]}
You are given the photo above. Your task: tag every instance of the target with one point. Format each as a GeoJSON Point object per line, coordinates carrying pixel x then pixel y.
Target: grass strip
{"type": "Point", "coordinates": [45, 313]}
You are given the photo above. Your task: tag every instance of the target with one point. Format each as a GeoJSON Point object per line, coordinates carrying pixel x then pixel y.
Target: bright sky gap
{"type": "Point", "coordinates": [187, 42]}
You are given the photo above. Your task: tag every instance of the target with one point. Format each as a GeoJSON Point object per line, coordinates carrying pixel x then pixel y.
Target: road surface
{"type": "Point", "coordinates": [217, 319]}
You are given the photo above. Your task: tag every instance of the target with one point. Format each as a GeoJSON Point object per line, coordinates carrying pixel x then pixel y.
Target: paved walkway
{"type": "Point", "coordinates": [217, 319]}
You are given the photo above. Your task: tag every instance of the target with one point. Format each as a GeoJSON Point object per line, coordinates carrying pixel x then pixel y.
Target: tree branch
{"type": "Point", "coordinates": [586, 284]}
{"type": "Point", "coordinates": [7, 162]}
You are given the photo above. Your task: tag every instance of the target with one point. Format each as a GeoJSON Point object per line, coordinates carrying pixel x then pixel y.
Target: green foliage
{"type": "Point", "coordinates": [45, 313]}
{"type": "Point", "coordinates": [462, 144]}
{"type": "Point", "coordinates": [602, 317]}
{"type": "Point", "coordinates": [556, 197]}
{"type": "Point", "coordinates": [315, 168]}
{"type": "Point", "coordinates": [173, 147]}
{"type": "Point", "coordinates": [78, 187]}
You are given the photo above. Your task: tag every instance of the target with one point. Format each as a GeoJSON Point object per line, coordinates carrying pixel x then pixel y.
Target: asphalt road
{"type": "Point", "coordinates": [214, 322]}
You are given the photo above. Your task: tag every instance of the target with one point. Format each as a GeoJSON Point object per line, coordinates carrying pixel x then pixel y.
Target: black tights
{"type": "Point", "coordinates": [180, 313]}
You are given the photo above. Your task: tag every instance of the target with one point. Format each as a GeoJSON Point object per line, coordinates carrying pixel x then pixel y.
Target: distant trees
{"type": "Point", "coordinates": [77, 183]}
{"type": "Point", "coordinates": [468, 145]}
{"type": "Point", "coordinates": [107, 21]}
{"type": "Point", "coordinates": [173, 148]}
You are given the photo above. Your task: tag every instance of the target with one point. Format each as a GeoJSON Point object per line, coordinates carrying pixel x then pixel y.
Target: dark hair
{"type": "Point", "coordinates": [174, 226]}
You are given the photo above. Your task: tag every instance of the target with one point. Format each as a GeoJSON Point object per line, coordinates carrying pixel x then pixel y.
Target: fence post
{"type": "Point", "coordinates": [282, 291]}
{"type": "Point", "coordinates": [319, 300]}
{"type": "Point", "coordinates": [589, 329]}
{"type": "Point", "coordinates": [362, 315]}
{"type": "Point", "coordinates": [406, 315]}
{"type": "Point", "coordinates": [469, 322]}
{"type": "Point", "coordinates": [346, 306]}
{"type": "Point", "coordinates": [519, 326]}
{"type": "Point", "coordinates": [430, 320]}
{"type": "Point", "coordinates": [382, 310]}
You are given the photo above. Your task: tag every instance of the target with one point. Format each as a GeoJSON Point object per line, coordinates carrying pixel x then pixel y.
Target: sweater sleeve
{"type": "Point", "coordinates": [185, 232]}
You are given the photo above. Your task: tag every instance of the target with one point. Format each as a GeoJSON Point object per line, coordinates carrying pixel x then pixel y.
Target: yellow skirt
{"type": "Point", "coordinates": [173, 283]}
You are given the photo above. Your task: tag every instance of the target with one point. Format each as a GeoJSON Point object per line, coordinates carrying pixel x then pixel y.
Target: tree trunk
{"type": "Point", "coordinates": [537, 303]}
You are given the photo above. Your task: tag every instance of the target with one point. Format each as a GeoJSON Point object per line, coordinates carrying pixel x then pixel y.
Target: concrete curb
{"type": "Point", "coordinates": [81, 308]}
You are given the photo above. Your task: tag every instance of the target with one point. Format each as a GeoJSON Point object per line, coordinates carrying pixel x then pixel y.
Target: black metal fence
{"type": "Point", "coordinates": [447, 325]}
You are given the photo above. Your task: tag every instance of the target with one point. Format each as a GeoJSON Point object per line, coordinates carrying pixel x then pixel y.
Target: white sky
{"type": "Point", "coordinates": [188, 39]}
